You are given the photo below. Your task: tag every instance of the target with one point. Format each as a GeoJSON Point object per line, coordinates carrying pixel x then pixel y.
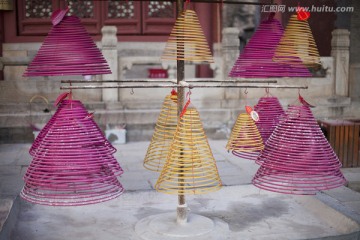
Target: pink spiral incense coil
{"type": "Point", "coordinates": [297, 158]}
{"type": "Point", "coordinates": [68, 50]}
{"type": "Point", "coordinates": [70, 109]}
{"type": "Point", "coordinates": [269, 110]}
{"type": "Point", "coordinates": [256, 61]}
{"type": "Point", "coordinates": [73, 163]}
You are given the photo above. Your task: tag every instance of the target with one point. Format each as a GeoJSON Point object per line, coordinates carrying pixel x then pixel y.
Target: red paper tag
{"type": "Point", "coordinates": [248, 109]}
{"type": "Point", "coordinates": [302, 15]}
{"type": "Point", "coordinates": [58, 16]}
{"type": "Point", "coordinates": [89, 115]}
{"type": "Point", "coordinates": [60, 98]}
{"type": "Point", "coordinates": [253, 114]}
{"type": "Point", "coordinates": [304, 102]}
{"type": "Point", "coordinates": [184, 109]}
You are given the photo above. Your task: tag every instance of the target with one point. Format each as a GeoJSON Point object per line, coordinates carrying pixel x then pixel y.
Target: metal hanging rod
{"type": "Point", "coordinates": [182, 86]}
{"type": "Point", "coordinates": [167, 80]}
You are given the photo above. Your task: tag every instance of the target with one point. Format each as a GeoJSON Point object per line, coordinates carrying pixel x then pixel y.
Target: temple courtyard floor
{"type": "Point", "coordinates": [237, 211]}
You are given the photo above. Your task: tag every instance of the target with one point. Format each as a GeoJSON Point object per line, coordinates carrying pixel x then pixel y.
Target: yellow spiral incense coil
{"type": "Point", "coordinates": [163, 135]}
{"type": "Point", "coordinates": [187, 40]}
{"type": "Point", "coordinates": [245, 140]}
{"type": "Point", "coordinates": [190, 167]}
{"type": "Point", "coordinates": [297, 42]}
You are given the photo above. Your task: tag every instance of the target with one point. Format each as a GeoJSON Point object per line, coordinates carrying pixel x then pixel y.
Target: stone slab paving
{"type": "Point", "coordinates": [242, 211]}
{"type": "Point", "coordinates": [230, 205]}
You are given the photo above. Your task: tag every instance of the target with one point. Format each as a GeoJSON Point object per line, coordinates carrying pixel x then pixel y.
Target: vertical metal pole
{"type": "Point", "coordinates": [182, 210]}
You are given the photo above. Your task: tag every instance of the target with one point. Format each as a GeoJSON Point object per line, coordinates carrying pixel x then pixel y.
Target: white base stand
{"type": "Point", "coordinates": [165, 227]}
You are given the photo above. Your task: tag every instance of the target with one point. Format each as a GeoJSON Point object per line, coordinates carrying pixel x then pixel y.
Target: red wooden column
{"type": "Point", "coordinates": [1, 40]}
{"type": "Point", "coordinates": [278, 15]}
{"type": "Point", "coordinates": [206, 16]}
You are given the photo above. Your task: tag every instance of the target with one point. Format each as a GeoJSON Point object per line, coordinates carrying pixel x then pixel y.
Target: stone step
{"type": "Point", "coordinates": [120, 117]}
{"type": "Point", "coordinates": [18, 127]}
{"type": "Point", "coordinates": [218, 117]}
{"type": "Point", "coordinates": [40, 107]}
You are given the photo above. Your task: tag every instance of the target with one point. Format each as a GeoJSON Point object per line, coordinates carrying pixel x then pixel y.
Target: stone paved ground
{"type": "Point", "coordinates": [236, 175]}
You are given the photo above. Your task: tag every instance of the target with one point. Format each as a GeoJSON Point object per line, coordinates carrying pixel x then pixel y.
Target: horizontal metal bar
{"type": "Point", "coordinates": [216, 1]}
{"type": "Point", "coordinates": [189, 86]}
{"type": "Point", "coordinates": [249, 86]}
{"type": "Point", "coordinates": [231, 2]}
{"type": "Point", "coordinates": [118, 86]}
{"type": "Point", "coordinates": [164, 80]}
{"type": "Point", "coordinates": [234, 80]}
{"type": "Point", "coordinates": [168, 80]}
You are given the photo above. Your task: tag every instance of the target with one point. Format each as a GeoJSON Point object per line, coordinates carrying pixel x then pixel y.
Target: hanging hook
{"type": "Point", "coordinates": [188, 94]}
{"type": "Point", "coordinates": [70, 97]}
{"type": "Point", "coordinates": [186, 104]}
{"type": "Point", "coordinates": [267, 92]}
{"type": "Point", "coordinates": [245, 97]}
{"type": "Point", "coordinates": [132, 91]}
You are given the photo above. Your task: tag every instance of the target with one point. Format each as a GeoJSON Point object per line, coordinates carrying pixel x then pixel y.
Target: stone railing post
{"type": "Point", "coordinates": [230, 53]}
{"type": "Point", "coordinates": [340, 46]}
{"type": "Point", "coordinates": [109, 50]}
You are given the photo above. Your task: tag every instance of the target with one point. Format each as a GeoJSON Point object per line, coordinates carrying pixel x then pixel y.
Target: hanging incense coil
{"type": "Point", "coordinates": [73, 105]}
{"type": "Point", "coordinates": [164, 133]}
{"type": "Point", "coordinates": [245, 140]}
{"type": "Point", "coordinates": [298, 42]}
{"type": "Point", "coordinates": [187, 40]}
{"type": "Point", "coordinates": [68, 50]}
{"type": "Point", "coordinates": [297, 158]}
{"type": "Point", "coordinates": [269, 110]}
{"type": "Point", "coordinates": [73, 163]}
{"type": "Point", "coordinates": [256, 61]}
{"type": "Point", "coordinates": [66, 109]}
{"type": "Point", "coordinates": [190, 167]}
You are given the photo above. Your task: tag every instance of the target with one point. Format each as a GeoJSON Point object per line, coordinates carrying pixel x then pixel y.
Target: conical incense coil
{"type": "Point", "coordinates": [190, 167]}
{"type": "Point", "coordinates": [68, 109]}
{"type": "Point", "coordinates": [297, 42]}
{"type": "Point", "coordinates": [297, 158]}
{"type": "Point", "coordinates": [72, 105]}
{"type": "Point", "coordinates": [187, 40]}
{"type": "Point", "coordinates": [245, 140]}
{"type": "Point", "coordinates": [164, 133]}
{"type": "Point", "coordinates": [73, 164]}
{"type": "Point", "coordinates": [257, 58]}
{"type": "Point", "coordinates": [68, 50]}
{"type": "Point", "coordinates": [269, 110]}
